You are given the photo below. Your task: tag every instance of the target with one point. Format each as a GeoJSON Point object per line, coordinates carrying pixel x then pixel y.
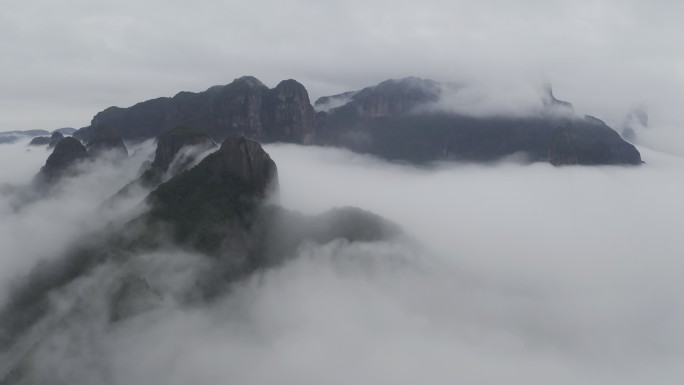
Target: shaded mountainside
{"type": "Point", "coordinates": [219, 194]}
{"type": "Point", "coordinates": [216, 210]}
{"type": "Point", "coordinates": [244, 107]}
{"type": "Point", "coordinates": [67, 152]}
{"type": "Point", "coordinates": [169, 145]}
{"type": "Point", "coordinates": [385, 120]}
{"type": "Point", "coordinates": [388, 120]}
{"type": "Point", "coordinates": [177, 150]}
{"type": "Point", "coordinates": [559, 141]}
{"type": "Point", "coordinates": [112, 143]}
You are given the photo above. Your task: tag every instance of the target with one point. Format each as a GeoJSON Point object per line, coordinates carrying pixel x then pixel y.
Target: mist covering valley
{"type": "Point", "coordinates": [505, 272]}
{"type": "Point", "coordinates": [358, 192]}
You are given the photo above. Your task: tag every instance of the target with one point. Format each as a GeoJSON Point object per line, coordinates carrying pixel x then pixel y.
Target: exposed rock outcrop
{"type": "Point", "coordinates": [248, 160]}
{"type": "Point", "coordinates": [66, 154]}
{"type": "Point", "coordinates": [172, 141]}
{"type": "Point", "coordinates": [291, 116]}
{"type": "Point", "coordinates": [50, 141]}
{"type": "Point", "coordinates": [244, 107]}
{"type": "Point", "coordinates": [55, 138]}
{"type": "Point", "coordinates": [103, 144]}
{"type": "Point", "coordinates": [219, 195]}
{"type": "Point", "coordinates": [395, 97]}
{"type": "Point", "coordinates": [393, 119]}
{"type": "Point", "coordinates": [217, 209]}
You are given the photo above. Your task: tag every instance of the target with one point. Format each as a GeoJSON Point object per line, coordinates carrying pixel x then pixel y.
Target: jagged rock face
{"type": "Point", "coordinates": [385, 120]}
{"type": "Point", "coordinates": [55, 138]}
{"type": "Point", "coordinates": [219, 196]}
{"type": "Point", "coordinates": [239, 108]}
{"type": "Point", "coordinates": [244, 107]}
{"type": "Point", "coordinates": [171, 142]}
{"type": "Point", "coordinates": [291, 115]}
{"type": "Point", "coordinates": [66, 153]}
{"type": "Point", "coordinates": [216, 208]}
{"type": "Point", "coordinates": [248, 160]}
{"type": "Point", "coordinates": [107, 144]}
{"type": "Point", "coordinates": [394, 97]}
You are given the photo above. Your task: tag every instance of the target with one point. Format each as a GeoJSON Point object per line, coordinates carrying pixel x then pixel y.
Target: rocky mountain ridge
{"type": "Point", "coordinates": [244, 107]}
{"type": "Point", "coordinates": [389, 120]}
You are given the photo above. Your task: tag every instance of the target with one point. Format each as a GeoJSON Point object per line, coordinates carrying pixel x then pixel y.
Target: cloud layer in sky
{"type": "Point", "coordinates": [64, 62]}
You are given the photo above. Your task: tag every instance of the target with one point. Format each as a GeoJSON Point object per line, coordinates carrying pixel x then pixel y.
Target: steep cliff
{"type": "Point", "coordinates": [170, 143]}
{"type": "Point", "coordinates": [66, 154]}
{"type": "Point", "coordinates": [219, 194]}
{"type": "Point", "coordinates": [244, 107]}
{"type": "Point", "coordinates": [103, 144]}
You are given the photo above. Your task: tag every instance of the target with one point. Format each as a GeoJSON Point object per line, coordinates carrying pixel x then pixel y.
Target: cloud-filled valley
{"type": "Point", "coordinates": [507, 272]}
{"type": "Point", "coordinates": [490, 194]}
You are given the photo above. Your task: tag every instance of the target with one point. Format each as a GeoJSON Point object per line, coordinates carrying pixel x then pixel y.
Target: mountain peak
{"type": "Point", "coordinates": [223, 191]}
{"type": "Point", "coordinates": [66, 153]}
{"type": "Point", "coordinates": [250, 81]}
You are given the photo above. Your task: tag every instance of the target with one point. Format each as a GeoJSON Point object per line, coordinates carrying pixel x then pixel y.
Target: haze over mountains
{"type": "Point", "coordinates": [414, 204]}
{"type": "Point", "coordinates": [190, 216]}
{"type": "Point", "coordinates": [217, 209]}
{"type": "Point", "coordinates": [211, 260]}
{"type": "Point", "coordinates": [409, 119]}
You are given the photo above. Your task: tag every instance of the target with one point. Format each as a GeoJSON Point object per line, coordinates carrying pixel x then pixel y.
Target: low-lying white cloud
{"type": "Point", "coordinates": [502, 97]}
{"type": "Point", "coordinates": [34, 229]}
{"type": "Point", "coordinates": [510, 274]}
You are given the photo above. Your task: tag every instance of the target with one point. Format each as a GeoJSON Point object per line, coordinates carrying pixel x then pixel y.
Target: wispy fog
{"type": "Point", "coordinates": [500, 97]}
{"type": "Point", "coordinates": [36, 228]}
{"type": "Point", "coordinates": [516, 274]}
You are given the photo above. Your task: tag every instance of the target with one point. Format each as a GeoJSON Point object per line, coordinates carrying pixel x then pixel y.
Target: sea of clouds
{"type": "Point", "coordinates": [509, 273]}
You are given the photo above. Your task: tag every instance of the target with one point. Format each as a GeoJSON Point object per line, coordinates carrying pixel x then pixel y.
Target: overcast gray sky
{"type": "Point", "coordinates": [64, 61]}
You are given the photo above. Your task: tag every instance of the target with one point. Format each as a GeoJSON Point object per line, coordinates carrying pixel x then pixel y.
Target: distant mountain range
{"type": "Point", "coordinates": [393, 120]}
{"type": "Point", "coordinates": [13, 136]}
{"type": "Point", "coordinates": [32, 133]}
